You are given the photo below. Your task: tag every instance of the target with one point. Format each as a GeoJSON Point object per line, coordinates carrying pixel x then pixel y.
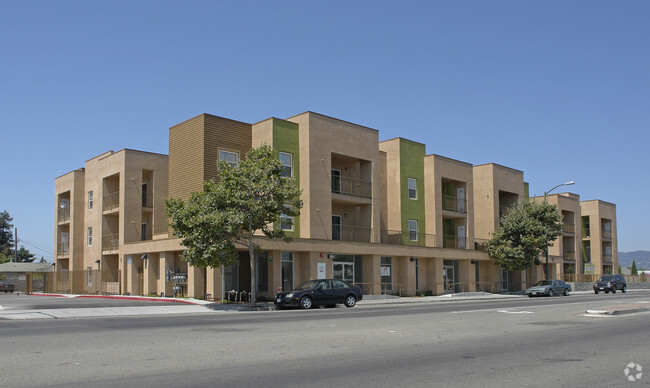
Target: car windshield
{"type": "Point", "coordinates": [607, 278]}
{"type": "Point", "coordinates": [544, 283]}
{"type": "Point", "coordinates": [306, 285]}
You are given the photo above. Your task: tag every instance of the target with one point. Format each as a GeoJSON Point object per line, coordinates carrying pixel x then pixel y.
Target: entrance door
{"type": "Point", "coordinates": [448, 278]}
{"type": "Point", "coordinates": [505, 280]}
{"type": "Point", "coordinates": [343, 271]}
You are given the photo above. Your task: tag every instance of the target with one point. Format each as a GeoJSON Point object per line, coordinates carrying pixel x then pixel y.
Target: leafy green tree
{"type": "Point", "coordinates": [24, 255]}
{"type": "Point", "coordinates": [248, 198]}
{"type": "Point", "coordinates": [526, 231]}
{"type": "Point", "coordinates": [634, 270]}
{"type": "Point", "coordinates": [6, 237]}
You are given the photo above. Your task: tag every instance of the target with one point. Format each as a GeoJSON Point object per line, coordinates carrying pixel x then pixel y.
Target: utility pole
{"type": "Point", "coordinates": [16, 243]}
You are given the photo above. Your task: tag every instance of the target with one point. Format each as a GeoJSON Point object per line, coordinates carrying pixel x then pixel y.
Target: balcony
{"type": "Point", "coordinates": [351, 233]}
{"type": "Point", "coordinates": [607, 257]}
{"type": "Point", "coordinates": [63, 249]}
{"type": "Point", "coordinates": [110, 242]}
{"type": "Point", "coordinates": [111, 202]}
{"type": "Point", "coordinates": [64, 214]}
{"type": "Point", "coordinates": [397, 237]}
{"type": "Point", "coordinates": [606, 234]}
{"type": "Point", "coordinates": [568, 229]}
{"type": "Point", "coordinates": [454, 242]}
{"type": "Point", "coordinates": [479, 244]}
{"type": "Point", "coordinates": [587, 233]}
{"type": "Point", "coordinates": [569, 255]}
{"type": "Point", "coordinates": [350, 186]}
{"type": "Point", "coordinates": [454, 204]}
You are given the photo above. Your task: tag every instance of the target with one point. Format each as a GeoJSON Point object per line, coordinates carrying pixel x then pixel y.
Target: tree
{"type": "Point", "coordinates": [24, 255]}
{"type": "Point", "coordinates": [249, 197]}
{"type": "Point", "coordinates": [6, 237]}
{"type": "Point", "coordinates": [634, 270]}
{"type": "Point", "coordinates": [526, 231]}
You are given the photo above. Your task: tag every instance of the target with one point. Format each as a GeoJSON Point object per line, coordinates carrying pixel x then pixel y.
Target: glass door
{"type": "Point", "coordinates": [448, 278]}
{"type": "Point", "coordinates": [343, 271]}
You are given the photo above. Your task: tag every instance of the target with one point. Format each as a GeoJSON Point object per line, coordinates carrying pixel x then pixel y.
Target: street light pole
{"type": "Point", "coordinates": [569, 183]}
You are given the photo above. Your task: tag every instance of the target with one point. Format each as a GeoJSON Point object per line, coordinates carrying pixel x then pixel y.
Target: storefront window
{"type": "Point", "coordinates": [386, 269]}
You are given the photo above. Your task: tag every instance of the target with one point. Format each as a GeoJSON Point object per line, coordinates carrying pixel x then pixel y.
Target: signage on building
{"type": "Point", "coordinates": [321, 271]}
{"type": "Point", "coordinates": [590, 269]}
{"type": "Point", "coordinates": [385, 271]}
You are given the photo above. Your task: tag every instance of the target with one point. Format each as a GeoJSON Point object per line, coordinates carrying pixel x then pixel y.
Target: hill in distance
{"type": "Point", "coordinates": [642, 259]}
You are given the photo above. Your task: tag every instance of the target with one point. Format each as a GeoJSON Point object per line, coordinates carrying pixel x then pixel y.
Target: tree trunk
{"type": "Point", "coordinates": [251, 253]}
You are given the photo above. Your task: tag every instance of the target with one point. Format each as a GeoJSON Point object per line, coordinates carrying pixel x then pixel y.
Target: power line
{"type": "Point", "coordinates": [34, 246]}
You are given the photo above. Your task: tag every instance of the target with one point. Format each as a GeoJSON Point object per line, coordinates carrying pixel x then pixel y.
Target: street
{"type": "Point", "coordinates": [506, 342]}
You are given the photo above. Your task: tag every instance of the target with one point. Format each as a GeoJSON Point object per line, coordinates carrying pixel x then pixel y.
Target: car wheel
{"type": "Point", "coordinates": [305, 303]}
{"type": "Point", "coordinates": [530, 296]}
{"type": "Point", "coordinates": [624, 289]}
{"type": "Point", "coordinates": [566, 292]}
{"type": "Point", "coordinates": [550, 292]}
{"type": "Point", "coordinates": [596, 292]}
{"type": "Point", "coordinates": [350, 300]}
{"type": "Point", "coordinates": [614, 290]}
{"type": "Point", "coordinates": [606, 291]}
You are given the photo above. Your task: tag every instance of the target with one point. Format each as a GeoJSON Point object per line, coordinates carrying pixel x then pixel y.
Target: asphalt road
{"type": "Point", "coordinates": [510, 342]}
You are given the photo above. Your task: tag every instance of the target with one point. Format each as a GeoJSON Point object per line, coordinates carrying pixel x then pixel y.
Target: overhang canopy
{"type": "Point", "coordinates": [26, 267]}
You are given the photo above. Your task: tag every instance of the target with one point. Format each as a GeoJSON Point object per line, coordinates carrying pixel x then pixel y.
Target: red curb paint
{"type": "Point", "coordinates": [132, 298]}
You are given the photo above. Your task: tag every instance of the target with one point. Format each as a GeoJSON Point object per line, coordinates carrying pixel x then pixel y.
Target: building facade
{"type": "Point", "coordinates": [385, 215]}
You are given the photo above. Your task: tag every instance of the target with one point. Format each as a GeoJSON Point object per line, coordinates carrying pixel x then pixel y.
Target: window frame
{"type": "Point", "coordinates": [91, 200]}
{"type": "Point", "coordinates": [284, 217]}
{"type": "Point", "coordinates": [90, 236]}
{"type": "Point", "coordinates": [413, 222]}
{"type": "Point", "coordinates": [284, 166]}
{"type": "Point", "coordinates": [223, 153]}
{"type": "Point", "coordinates": [415, 189]}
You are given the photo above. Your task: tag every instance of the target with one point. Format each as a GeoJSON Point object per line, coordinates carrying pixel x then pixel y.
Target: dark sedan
{"type": "Point", "coordinates": [6, 286]}
{"type": "Point", "coordinates": [321, 292]}
{"type": "Point", "coordinates": [549, 288]}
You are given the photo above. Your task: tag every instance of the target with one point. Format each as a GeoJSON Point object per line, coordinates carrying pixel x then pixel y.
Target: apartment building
{"type": "Point", "coordinates": [599, 240]}
{"type": "Point", "coordinates": [385, 215]}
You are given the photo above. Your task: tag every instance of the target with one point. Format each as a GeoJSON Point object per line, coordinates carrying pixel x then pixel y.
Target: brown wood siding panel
{"type": "Point", "coordinates": [186, 157]}
{"type": "Point", "coordinates": [222, 133]}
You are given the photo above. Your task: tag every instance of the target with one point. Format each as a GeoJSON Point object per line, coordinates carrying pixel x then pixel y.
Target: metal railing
{"type": "Point", "coordinates": [455, 204]}
{"type": "Point", "coordinates": [111, 201]}
{"type": "Point", "coordinates": [86, 282]}
{"type": "Point", "coordinates": [606, 234]}
{"type": "Point", "coordinates": [398, 237]}
{"type": "Point", "coordinates": [568, 228]}
{"type": "Point", "coordinates": [381, 288]}
{"type": "Point", "coordinates": [110, 242]}
{"type": "Point", "coordinates": [607, 258]}
{"type": "Point", "coordinates": [64, 214]}
{"type": "Point", "coordinates": [450, 241]}
{"type": "Point", "coordinates": [63, 249]}
{"type": "Point", "coordinates": [351, 233]}
{"type": "Point", "coordinates": [479, 244]}
{"type": "Point", "coordinates": [569, 254]}
{"type": "Point", "coordinates": [587, 232]}
{"type": "Point", "coordinates": [352, 186]}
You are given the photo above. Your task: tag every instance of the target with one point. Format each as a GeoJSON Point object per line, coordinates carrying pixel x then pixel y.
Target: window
{"type": "Point", "coordinates": [287, 271]}
{"type": "Point", "coordinates": [90, 276]}
{"type": "Point", "coordinates": [286, 222]}
{"type": "Point", "coordinates": [90, 200]}
{"type": "Point", "coordinates": [337, 228]}
{"type": "Point", "coordinates": [143, 231]}
{"type": "Point", "coordinates": [287, 164]}
{"type": "Point", "coordinates": [386, 273]}
{"type": "Point", "coordinates": [413, 188]}
{"type": "Point", "coordinates": [413, 230]}
{"type": "Point", "coordinates": [90, 236]}
{"type": "Point", "coordinates": [336, 181]}
{"type": "Point", "coordinates": [231, 157]}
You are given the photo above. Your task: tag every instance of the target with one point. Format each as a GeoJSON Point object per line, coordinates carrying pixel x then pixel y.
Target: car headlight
{"type": "Point", "coordinates": [289, 295]}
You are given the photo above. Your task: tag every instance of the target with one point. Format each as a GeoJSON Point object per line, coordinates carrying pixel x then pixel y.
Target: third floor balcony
{"type": "Point", "coordinates": [111, 201]}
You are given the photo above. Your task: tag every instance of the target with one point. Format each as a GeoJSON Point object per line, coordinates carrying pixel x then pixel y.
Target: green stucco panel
{"type": "Point", "coordinates": [285, 139]}
{"type": "Point", "coordinates": [412, 166]}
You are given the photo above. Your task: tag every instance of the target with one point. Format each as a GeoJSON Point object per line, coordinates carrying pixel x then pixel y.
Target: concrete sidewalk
{"type": "Point", "coordinates": [196, 306]}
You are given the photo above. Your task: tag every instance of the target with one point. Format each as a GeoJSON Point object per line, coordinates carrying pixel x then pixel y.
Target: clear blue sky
{"type": "Point", "coordinates": [557, 89]}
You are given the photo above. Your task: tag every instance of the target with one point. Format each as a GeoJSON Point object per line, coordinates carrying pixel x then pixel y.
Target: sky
{"type": "Point", "coordinates": [557, 89]}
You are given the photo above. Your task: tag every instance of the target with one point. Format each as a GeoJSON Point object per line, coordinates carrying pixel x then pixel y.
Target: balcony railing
{"type": "Point", "coordinates": [587, 232]}
{"type": "Point", "coordinates": [351, 186]}
{"type": "Point", "coordinates": [569, 254]}
{"type": "Point", "coordinates": [351, 233]}
{"type": "Point", "coordinates": [110, 242]}
{"type": "Point", "coordinates": [607, 257]}
{"type": "Point", "coordinates": [63, 248]}
{"type": "Point", "coordinates": [397, 237]}
{"type": "Point", "coordinates": [568, 228]}
{"type": "Point", "coordinates": [64, 214]}
{"type": "Point", "coordinates": [479, 244]}
{"type": "Point", "coordinates": [454, 204]}
{"type": "Point", "coordinates": [606, 234]}
{"type": "Point", "coordinates": [454, 242]}
{"type": "Point", "coordinates": [111, 201]}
